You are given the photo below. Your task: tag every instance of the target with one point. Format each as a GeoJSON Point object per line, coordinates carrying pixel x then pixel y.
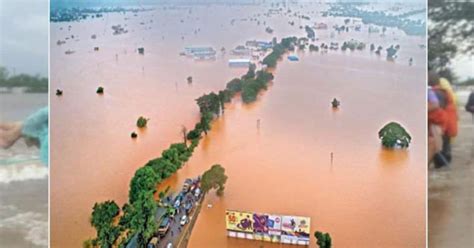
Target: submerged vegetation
{"type": "Point", "coordinates": [410, 27]}
{"type": "Point", "coordinates": [139, 213]}
{"type": "Point", "coordinates": [102, 220]}
{"type": "Point", "coordinates": [323, 240]}
{"type": "Point", "coordinates": [394, 135]}
{"type": "Point", "coordinates": [142, 122]}
{"type": "Point", "coordinates": [214, 178]}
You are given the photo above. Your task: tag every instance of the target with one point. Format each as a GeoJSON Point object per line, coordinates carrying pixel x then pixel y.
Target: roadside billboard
{"type": "Point", "coordinates": [260, 223]}
{"type": "Point", "coordinates": [268, 227]}
{"type": "Point", "coordinates": [295, 229]}
{"type": "Point", "coordinates": [239, 221]}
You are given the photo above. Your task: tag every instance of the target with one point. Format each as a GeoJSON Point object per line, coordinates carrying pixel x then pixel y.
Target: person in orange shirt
{"type": "Point", "coordinates": [445, 116]}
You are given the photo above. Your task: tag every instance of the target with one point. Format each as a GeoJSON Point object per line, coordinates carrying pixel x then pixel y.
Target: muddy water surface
{"type": "Point", "coordinates": [282, 167]}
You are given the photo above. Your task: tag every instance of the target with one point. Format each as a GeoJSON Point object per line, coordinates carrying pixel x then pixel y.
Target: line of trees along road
{"type": "Point", "coordinates": [138, 214]}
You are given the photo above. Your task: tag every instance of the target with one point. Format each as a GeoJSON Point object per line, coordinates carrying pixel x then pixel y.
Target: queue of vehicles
{"type": "Point", "coordinates": [184, 201]}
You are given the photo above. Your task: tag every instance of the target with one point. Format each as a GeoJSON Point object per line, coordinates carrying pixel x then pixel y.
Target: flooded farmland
{"type": "Point", "coordinates": [281, 167]}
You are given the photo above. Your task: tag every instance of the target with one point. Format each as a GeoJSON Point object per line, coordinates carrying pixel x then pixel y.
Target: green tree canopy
{"type": "Point", "coordinates": [103, 215]}
{"type": "Point", "coordinates": [323, 239]}
{"type": "Point", "coordinates": [144, 180]}
{"type": "Point", "coordinates": [393, 135]}
{"type": "Point", "coordinates": [142, 121]}
{"type": "Point", "coordinates": [214, 178]}
{"type": "Point", "coordinates": [450, 32]}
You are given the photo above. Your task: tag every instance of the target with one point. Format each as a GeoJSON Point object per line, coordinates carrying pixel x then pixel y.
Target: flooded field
{"type": "Point", "coordinates": [282, 167]}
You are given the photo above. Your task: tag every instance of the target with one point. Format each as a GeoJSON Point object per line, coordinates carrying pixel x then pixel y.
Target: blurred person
{"type": "Point", "coordinates": [445, 116]}
{"type": "Point", "coordinates": [470, 104]}
{"type": "Point", "coordinates": [434, 130]}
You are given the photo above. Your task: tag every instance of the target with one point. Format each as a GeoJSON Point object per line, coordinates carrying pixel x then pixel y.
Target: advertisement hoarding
{"type": "Point", "coordinates": [239, 221]}
{"type": "Point", "coordinates": [295, 229]}
{"type": "Point", "coordinates": [268, 227]}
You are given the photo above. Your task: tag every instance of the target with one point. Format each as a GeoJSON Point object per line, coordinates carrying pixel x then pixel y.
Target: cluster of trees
{"type": "Point", "coordinates": [142, 121]}
{"type": "Point", "coordinates": [450, 33]}
{"type": "Point", "coordinates": [310, 32]}
{"type": "Point", "coordinates": [31, 83]}
{"type": "Point", "coordinates": [139, 213]}
{"type": "Point", "coordinates": [381, 18]}
{"type": "Point", "coordinates": [102, 220]}
{"type": "Point", "coordinates": [100, 90]}
{"type": "Point", "coordinates": [353, 45]}
{"type": "Point", "coordinates": [313, 48]}
{"type": "Point", "coordinates": [278, 50]}
{"type": "Point", "coordinates": [214, 178]}
{"type": "Point", "coordinates": [392, 51]}
{"type": "Point", "coordinates": [323, 239]}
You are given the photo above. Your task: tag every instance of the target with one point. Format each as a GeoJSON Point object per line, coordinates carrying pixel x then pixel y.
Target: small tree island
{"type": "Point", "coordinates": [335, 103]}
{"type": "Point", "coordinates": [214, 178]}
{"type": "Point", "coordinates": [100, 90]}
{"type": "Point", "coordinates": [142, 121]}
{"type": "Point", "coordinates": [394, 135]}
{"type": "Point", "coordinates": [323, 239]}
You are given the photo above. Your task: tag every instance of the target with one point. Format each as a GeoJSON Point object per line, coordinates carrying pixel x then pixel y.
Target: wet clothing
{"type": "Point", "coordinates": [444, 84]}
{"type": "Point", "coordinates": [36, 127]}
{"type": "Point", "coordinates": [446, 115]}
{"type": "Point", "coordinates": [432, 98]}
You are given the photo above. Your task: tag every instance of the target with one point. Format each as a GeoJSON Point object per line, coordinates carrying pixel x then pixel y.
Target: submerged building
{"type": "Point", "coordinates": [199, 50]}
{"type": "Point", "coordinates": [239, 62]}
{"type": "Point", "coordinates": [259, 44]}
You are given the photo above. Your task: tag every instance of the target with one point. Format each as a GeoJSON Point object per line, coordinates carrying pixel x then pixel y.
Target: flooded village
{"type": "Point", "coordinates": [287, 98]}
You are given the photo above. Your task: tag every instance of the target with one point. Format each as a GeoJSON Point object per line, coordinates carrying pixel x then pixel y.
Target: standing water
{"type": "Point", "coordinates": [367, 197]}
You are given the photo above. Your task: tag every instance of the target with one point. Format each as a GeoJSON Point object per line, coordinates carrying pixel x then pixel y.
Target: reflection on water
{"type": "Point", "coordinates": [281, 167]}
{"type": "Point", "coordinates": [393, 156]}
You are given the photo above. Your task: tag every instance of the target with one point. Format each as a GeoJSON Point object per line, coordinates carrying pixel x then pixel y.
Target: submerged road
{"type": "Point", "coordinates": [175, 229]}
{"type": "Point", "coordinates": [451, 193]}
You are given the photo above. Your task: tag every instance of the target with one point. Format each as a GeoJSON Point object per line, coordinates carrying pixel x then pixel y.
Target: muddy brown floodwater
{"type": "Point", "coordinates": [368, 197]}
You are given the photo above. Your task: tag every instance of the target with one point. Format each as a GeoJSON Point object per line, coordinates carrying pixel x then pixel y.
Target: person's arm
{"type": "Point", "coordinates": [36, 127]}
{"type": "Point", "coordinates": [9, 134]}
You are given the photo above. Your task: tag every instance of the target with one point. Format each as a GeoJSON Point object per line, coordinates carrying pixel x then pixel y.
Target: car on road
{"type": "Point", "coordinates": [178, 199]}
{"type": "Point", "coordinates": [177, 203]}
{"type": "Point", "coordinates": [164, 226]}
{"type": "Point", "coordinates": [153, 243]}
{"type": "Point", "coordinates": [187, 183]}
{"type": "Point", "coordinates": [188, 207]}
{"type": "Point", "coordinates": [197, 192]}
{"type": "Point", "coordinates": [169, 245]}
{"type": "Point", "coordinates": [184, 220]}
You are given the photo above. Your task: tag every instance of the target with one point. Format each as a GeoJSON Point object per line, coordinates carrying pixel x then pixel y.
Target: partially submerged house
{"type": "Point", "coordinates": [239, 62]}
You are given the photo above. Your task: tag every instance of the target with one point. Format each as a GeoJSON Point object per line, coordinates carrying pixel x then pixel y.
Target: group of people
{"type": "Point", "coordinates": [442, 119]}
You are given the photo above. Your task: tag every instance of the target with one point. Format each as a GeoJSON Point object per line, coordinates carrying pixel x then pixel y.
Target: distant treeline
{"type": "Point", "coordinates": [467, 82]}
{"type": "Point", "coordinates": [410, 27]}
{"type": "Point", "coordinates": [78, 14]}
{"type": "Point", "coordinates": [33, 84]}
